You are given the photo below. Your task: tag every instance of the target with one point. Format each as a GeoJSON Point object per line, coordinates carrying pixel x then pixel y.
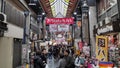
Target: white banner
{"type": "Point", "coordinates": [63, 27]}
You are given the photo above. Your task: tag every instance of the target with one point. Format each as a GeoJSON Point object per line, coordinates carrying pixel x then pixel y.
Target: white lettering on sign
{"type": "Point", "coordinates": [106, 29]}
{"type": "Point", "coordinates": [59, 21]}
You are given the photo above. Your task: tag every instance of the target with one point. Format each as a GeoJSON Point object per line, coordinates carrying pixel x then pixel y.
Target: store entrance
{"type": "Point", "coordinates": [17, 45]}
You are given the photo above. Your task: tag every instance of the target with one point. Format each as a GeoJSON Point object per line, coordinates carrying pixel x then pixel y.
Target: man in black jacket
{"type": "Point", "coordinates": [69, 60]}
{"type": "Point", "coordinates": [38, 61]}
{"type": "Point", "coordinates": [44, 57]}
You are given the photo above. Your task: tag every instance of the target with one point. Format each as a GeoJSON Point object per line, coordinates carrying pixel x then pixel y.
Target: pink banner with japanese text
{"type": "Point", "coordinates": [59, 21]}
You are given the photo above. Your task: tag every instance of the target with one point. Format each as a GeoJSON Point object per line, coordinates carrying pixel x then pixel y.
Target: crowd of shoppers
{"type": "Point", "coordinates": [65, 56]}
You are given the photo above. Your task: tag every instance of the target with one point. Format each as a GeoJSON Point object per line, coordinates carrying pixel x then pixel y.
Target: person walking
{"type": "Point", "coordinates": [38, 61]}
{"type": "Point", "coordinates": [69, 59]}
{"type": "Point", "coordinates": [61, 62]}
{"type": "Point", "coordinates": [44, 57]}
{"type": "Point", "coordinates": [79, 61]}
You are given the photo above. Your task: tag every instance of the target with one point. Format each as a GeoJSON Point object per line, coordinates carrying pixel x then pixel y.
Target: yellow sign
{"type": "Point", "coordinates": [102, 48]}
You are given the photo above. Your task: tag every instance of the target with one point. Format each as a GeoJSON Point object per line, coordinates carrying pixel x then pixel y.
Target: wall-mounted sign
{"type": "Point", "coordinates": [102, 48]}
{"type": "Point", "coordinates": [110, 27]}
{"type": "Point", "coordinates": [59, 21]}
{"type": "Point", "coordinates": [106, 29]}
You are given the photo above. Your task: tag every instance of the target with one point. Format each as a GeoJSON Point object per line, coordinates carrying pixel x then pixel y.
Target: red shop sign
{"type": "Point", "coordinates": [59, 21]}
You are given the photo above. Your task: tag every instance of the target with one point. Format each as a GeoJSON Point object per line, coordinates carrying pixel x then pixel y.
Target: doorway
{"type": "Point", "coordinates": [17, 47]}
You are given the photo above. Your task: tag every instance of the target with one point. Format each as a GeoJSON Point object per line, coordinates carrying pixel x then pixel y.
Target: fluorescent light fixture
{"type": "Point", "coordinates": [32, 4]}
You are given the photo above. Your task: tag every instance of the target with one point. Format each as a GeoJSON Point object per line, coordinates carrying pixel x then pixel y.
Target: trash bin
{"type": "Point", "coordinates": [106, 65]}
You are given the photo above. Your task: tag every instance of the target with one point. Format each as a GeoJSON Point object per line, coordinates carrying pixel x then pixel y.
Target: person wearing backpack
{"type": "Point", "coordinates": [79, 61]}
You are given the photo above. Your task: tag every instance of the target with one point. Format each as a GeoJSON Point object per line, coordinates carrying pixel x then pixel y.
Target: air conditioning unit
{"type": "Point", "coordinates": [107, 20]}
{"type": "Point", "coordinates": [3, 17]}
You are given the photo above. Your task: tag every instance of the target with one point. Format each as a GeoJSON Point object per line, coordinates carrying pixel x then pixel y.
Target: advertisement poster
{"type": "Point", "coordinates": [53, 28]}
{"type": "Point", "coordinates": [102, 48]}
{"type": "Point", "coordinates": [60, 38]}
{"type": "Point", "coordinates": [80, 45]}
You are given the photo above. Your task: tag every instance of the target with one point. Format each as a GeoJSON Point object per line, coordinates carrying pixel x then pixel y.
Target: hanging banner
{"type": "Point", "coordinates": [102, 48]}
{"type": "Point", "coordinates": [53, 28]}
{"type": "Point", "coordinates": [63, 27]}
{"type": "Point", "coordinates": [78, 23]}
{"type": "Point", "coordinates": [80, 45]}
{"type": "Point", "coordinates": [59, 21]}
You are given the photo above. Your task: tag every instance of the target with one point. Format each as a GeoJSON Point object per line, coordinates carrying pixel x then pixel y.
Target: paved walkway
{"type": "Point", "coordinates": [25, 66]}
{"type": "Point", "coordinates": [51, 63]}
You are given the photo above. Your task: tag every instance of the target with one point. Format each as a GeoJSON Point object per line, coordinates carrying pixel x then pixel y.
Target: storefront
{"type": "Point", "coordinates": [112, 32]}
{"type": "Point", "coordinates": [60, 30]}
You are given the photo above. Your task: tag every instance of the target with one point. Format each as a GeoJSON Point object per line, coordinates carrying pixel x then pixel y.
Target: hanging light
{"type": "Point", "coordinates": [75, 13]}
{"type": "Point", "coordinates": [43, 13]}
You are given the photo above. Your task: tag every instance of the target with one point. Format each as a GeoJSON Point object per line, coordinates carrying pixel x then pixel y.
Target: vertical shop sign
{"type": "Point", "coordinates": [78, 23]}
{"type": "Point", "coordinates": [102, 48]}
{"type": "Point", "coordinates": [24, 53]}
{"type": "Point", "coordinates": [80, 45]}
